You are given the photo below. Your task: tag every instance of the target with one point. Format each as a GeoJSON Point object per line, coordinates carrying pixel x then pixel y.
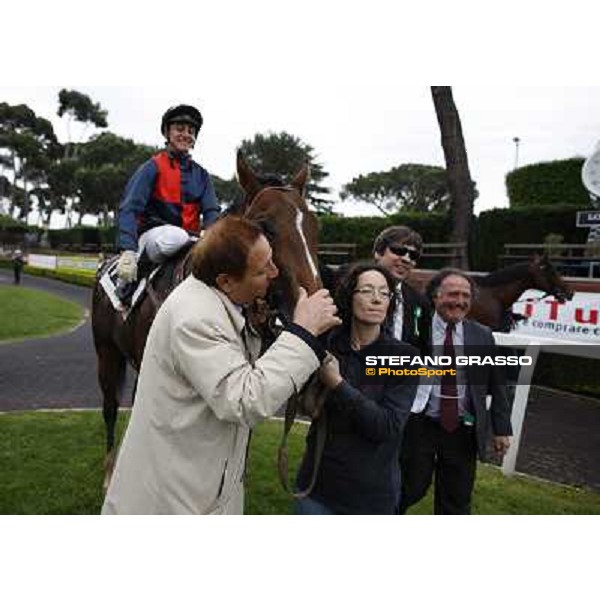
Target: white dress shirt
{"type": "Point", "coordinates": [431, 387]}
{"type": "Point", "coordinates": [399, 313]}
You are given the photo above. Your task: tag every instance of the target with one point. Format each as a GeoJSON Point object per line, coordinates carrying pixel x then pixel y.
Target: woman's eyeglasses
{"type": "Point", "coordinates": [404, 250]}
{"type": "Point", "coordinates": [372, 292]}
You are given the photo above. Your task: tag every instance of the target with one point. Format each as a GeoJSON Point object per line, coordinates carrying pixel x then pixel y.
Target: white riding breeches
{"type": "Point", "coordinates": [162, 242]}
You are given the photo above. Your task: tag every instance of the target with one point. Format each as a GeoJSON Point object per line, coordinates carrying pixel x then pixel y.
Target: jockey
{"type": "Point", "coordinates": [168, 199]}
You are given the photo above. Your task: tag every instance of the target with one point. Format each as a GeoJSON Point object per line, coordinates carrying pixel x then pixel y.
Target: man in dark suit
{"type": "Point", "coordinates": [398, 249]}
{"type": "Point", "coordinates": [451, 420]}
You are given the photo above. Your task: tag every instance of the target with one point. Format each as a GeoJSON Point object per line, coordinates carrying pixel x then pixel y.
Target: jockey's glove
{"type": "Point", "coordinates": [127, 266]}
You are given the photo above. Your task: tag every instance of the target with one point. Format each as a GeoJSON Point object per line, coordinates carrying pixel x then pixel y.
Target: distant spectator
{"type": "Point", "coordinates": [18, 262]}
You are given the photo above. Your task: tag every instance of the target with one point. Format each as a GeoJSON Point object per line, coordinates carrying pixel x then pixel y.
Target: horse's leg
{"type": "Point", "coordinates": [111, 375]}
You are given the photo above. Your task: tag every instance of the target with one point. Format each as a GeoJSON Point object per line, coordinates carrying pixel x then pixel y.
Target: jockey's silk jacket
{"type": "Point", "coordinates": [168, 189]}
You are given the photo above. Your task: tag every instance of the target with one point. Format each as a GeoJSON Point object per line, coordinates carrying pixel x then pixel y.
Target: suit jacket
{"type": "Point", "coordinates": [483, 381]}
{"type": "Point", "coordinates": [416, 324]}
{"type": "Point", "coordinates": [416, 328]}
{"type": "Point", "coordinates": [201, 388]}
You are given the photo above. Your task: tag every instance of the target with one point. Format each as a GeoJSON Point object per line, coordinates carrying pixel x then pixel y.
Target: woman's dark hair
{"type": "Point", "coordinates": [225, 249]}
{"type": "Point", "coordinates": [344, 292]}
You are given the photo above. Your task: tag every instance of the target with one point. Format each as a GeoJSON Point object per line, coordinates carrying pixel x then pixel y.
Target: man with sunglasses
{"type": "Point", "coordinates": [398, 249]}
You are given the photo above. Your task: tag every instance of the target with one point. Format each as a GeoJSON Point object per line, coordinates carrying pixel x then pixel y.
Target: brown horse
{"type": "Point", "coordinates": [498, 291]}
{"type": "Point", "coordinates": [293, 233]}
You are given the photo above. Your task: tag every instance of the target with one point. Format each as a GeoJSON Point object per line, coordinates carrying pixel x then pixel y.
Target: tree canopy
{"type": "Point", "coordinates": [414, 187]}
{"type": "Point", "coordinates": [87, 177]}
{"type": "Point", "coordinates": [80, 107]}
{"type": "Point", "coordinates": [27, 146]}
{"type": "Point", "coordinates": [283, 154]}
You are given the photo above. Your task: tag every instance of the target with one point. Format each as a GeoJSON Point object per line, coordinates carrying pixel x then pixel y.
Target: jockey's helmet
{"type": "Point", "coordinates": [182, 113]}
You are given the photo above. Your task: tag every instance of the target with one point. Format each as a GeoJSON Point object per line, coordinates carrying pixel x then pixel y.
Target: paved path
{"type": "Point", "coordinates": [55, 372]}
{"type": "Point", "coordinates": [561, 436]}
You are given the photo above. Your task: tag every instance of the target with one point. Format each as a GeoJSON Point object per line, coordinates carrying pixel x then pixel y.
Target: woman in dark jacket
{"type": "Point", "coordinates": [359, 471]}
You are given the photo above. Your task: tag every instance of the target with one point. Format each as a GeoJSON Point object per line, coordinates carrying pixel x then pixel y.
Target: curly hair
{"type": "Point", "coordinates": [436, 281]}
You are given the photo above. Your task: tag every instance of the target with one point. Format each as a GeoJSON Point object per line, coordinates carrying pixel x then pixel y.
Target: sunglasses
{"type": "Point", "coordinates": [403, 251]}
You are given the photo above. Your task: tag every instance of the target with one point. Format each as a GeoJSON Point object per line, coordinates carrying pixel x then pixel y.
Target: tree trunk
{"type": "Point", "coordinates": [13, 192]}
{"type": "Point", "coordinates": [26, 194]}
{"type": "Point", "coordinates": [457, 167]}
{"type": "Point", "coordinates": [68, 210]}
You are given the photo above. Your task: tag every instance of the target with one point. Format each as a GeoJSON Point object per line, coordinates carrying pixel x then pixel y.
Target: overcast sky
{"type": "Point", "coordinates": [355, 130]}
{"type": "Point", "coordinates": [351, 83]}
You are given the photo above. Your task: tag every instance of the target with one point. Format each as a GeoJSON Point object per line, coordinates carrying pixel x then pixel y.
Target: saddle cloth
{"type": "Point", "coordinates": [109, 281]}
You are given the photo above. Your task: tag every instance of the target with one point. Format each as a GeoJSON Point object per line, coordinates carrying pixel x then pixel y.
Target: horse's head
{"type": "Point", "coordinates": [291, 229]}
{"type": "Point", "coordinates": [545, 277]}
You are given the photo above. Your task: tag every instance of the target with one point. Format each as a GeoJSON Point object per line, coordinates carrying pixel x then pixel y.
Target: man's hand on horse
{"type": "Point", "coordinates": [127, 266]}
{"type": "Point", "coordinates": [501, 445]}
{"type": "Point", "coordinates": [316, 313]}
{"type": "Point", "coordinates": [330, 372]}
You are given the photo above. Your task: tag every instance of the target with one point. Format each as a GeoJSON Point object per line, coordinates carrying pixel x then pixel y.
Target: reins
{"type": "Point", "coordinates": [310, 401]}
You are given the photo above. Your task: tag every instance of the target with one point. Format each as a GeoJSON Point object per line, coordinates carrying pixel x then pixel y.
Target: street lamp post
{"type": "Point", "coordinates": [517, 141]}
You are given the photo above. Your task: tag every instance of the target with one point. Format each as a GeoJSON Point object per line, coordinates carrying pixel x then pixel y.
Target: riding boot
{"type": "Point", "coordinates": [145, 266]}
{"type": "Point", "coordinates": [125, 291]}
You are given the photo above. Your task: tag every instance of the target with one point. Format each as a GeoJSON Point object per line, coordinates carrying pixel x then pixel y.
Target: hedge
{"type": "Point", "coordinates": [8, 224]}
{"type": "Point", "coordinates": [524, 225]}
{"type": "Point", "coordinates": [547, 184]}
{"type": "Point", "coordinates": [362, 231]}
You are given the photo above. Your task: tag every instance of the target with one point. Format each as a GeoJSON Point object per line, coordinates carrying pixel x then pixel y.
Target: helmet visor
{"type": "Point", "coordinates": [185, 119]}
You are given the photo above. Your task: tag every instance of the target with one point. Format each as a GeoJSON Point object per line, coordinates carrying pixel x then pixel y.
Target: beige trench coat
{"type": "Point", "coordinates": [198, 395]}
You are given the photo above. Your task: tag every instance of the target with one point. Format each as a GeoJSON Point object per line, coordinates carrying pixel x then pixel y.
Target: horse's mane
{"type": "Point", "coordinates": [505, 275]}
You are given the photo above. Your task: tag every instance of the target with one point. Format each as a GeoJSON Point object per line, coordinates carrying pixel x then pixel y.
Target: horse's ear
{"type": "Point", "coordinates": [246, 176]}
{"type": "Point", "coordinates": [301, 179]}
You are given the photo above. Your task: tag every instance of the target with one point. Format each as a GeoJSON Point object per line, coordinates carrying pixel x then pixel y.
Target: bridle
{"type": "Point", "coordinates": [312, 398]}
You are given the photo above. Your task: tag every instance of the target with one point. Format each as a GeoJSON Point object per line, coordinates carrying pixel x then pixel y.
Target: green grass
{"type": "Point", "coordinates": [494, 493]}
{"type": "Point", "coordinates": [52, 464]}
{"type": "Point", "coordinates": [29, 313]}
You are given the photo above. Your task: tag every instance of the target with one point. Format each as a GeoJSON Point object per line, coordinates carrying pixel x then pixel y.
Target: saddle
{"type": "Point", "coordinates": [173, 271]}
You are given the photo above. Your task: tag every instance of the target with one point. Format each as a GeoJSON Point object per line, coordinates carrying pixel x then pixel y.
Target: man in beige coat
{"type": "Point", "coordinates": [202, 385]}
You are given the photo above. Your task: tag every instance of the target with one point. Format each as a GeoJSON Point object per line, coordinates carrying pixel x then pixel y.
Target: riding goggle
{"type": "Point", "coordinates": [403, 251]}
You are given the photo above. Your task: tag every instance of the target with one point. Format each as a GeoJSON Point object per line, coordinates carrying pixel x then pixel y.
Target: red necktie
{"type": "Point", "coordinates": [449, 393]}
